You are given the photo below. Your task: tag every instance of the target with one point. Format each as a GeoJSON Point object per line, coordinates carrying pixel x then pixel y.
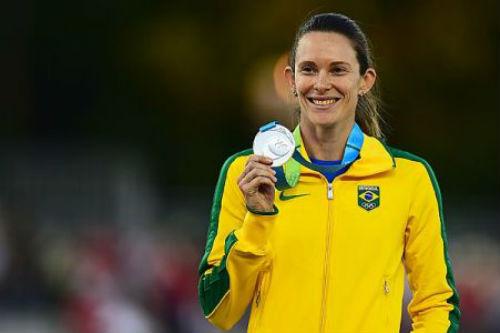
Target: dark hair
{"type": "Point", "coordinates": [367, 111]}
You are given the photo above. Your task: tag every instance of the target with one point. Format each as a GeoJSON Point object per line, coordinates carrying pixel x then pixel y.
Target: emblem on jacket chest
{"type": "Point", "coordinates": [368, 197]}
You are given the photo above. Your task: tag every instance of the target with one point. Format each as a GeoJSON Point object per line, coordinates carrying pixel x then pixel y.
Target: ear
{"type": "Point", "coordinates": [290, 77]}
{"type": "Point", "coordinates": [367, 81]}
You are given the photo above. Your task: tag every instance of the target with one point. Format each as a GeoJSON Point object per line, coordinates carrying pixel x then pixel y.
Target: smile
{"type": "Point", "coordinates": [323, 100]}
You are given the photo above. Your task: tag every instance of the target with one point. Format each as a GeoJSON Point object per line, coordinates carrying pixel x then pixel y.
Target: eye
{"type": "Point", "coordinates": [339, 70]}
{"type": "Point", "coordinates": [307, 69]}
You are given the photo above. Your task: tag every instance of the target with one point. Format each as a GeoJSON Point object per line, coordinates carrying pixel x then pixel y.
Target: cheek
{"type": "Point", "coordinates": [303, 85]}
{"type": "Point", "coordinates": [350, 90]}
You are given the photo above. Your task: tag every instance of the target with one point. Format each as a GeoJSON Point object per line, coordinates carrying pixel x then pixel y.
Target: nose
{"type": "Point", "coordinates": [323, 82]}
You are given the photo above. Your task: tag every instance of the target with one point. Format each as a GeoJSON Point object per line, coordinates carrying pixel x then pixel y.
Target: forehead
{"type": "Point", "coordinates": [325, 47]}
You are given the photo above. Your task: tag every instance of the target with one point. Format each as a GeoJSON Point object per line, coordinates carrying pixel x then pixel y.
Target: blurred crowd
{"type": "Point", "coordinates": [101, 280]}
{"type": "Point", "coordinates": [135, 280]}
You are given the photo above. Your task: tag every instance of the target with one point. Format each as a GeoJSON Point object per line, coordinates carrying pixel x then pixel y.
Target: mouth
{"type": "Point", "coordinates": [323, 100]}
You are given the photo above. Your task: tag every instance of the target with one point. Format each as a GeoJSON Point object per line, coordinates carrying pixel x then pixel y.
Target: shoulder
{"type": "Point", "coordinates": [414, 163]}
{"type": "Point", "coordinates": [407, 158]}
{"type": "Point", "coordinates": [237, 160]}
{"type": "Point", "coordinates": [234, 165]}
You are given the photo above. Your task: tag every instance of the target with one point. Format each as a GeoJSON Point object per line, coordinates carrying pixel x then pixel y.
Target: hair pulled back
{"type": "Point", "coordinates": [367, 111]}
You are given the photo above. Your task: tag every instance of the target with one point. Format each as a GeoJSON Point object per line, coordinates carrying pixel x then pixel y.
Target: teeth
{"type": "Point", "coordinates": [324, 102]}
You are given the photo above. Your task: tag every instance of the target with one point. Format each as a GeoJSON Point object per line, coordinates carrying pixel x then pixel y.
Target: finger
{"type": "Point", "coordinates": [255, 161]}
{"type": "Point", "coordinates": [240, 177]}
{"type": "Point", "coordinates": [253, 186]}
{"type": "Point", "coordinates": [257, 165]}
{"type": "Point", "coordinates": [260, 159]}
{"type": "Point", "coordinates": [254, 166]}
{"type": "Point", "coordinates": [244, 184]}
{"type": "Point", "coordinates": [268, 173]}
{"type": "Point", "coordinates": [257, 182]}
{"type": "Point", "coordinates": [254, 174]}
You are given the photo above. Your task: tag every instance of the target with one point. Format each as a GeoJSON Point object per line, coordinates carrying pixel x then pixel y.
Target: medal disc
{"type": "Point", "coordinates": [274, 142]}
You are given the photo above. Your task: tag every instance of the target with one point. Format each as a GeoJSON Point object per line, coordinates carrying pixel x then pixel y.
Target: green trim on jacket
{"type": "Point", "coordinates": [455, 314]}
{"type": "Point", "coordinates": [214, 285]}
{"type": "Point", "coordinates": [216, 206]}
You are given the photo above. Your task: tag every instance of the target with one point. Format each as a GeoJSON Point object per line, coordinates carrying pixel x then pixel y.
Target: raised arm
{"type": "Point", "coordinates": [237, 248]}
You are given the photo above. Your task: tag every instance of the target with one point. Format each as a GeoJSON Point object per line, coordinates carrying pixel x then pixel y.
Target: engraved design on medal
{"type": "Point", "coordinates": [277, 143]}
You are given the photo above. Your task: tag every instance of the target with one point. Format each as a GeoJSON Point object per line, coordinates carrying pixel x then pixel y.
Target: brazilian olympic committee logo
{"type": "Point", "coordinates": [368, 197]}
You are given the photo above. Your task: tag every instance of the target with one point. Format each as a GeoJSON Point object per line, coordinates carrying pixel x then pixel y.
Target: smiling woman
{"type": "Point", "coordinates": [329, 252]}
{"type": "Point", "coordinates": [328, 81]}
{"type": "Point", "coordinates": [347, 49]}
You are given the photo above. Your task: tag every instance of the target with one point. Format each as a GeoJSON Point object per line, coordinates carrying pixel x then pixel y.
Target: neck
{"type": "Point", "coordinates": [326, 144]}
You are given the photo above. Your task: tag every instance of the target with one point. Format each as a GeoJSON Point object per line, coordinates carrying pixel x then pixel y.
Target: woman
{"type": "Point", "coordinates": [329, 253]}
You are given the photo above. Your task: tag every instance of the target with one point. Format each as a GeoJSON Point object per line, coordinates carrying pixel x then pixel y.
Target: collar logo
{"type": "Point", "coordinates": [368, 197]}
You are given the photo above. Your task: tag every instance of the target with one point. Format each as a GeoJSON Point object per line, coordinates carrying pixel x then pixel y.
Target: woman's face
{"type": "Point", "coordinates": [327, 80]}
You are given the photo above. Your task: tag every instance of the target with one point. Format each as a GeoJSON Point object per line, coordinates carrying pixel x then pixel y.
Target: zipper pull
{"type": "Point", "coordinates": [329, 193]}
{"type": "Point", "coordinates": [386, 287]}
{"type": "Point", "coordinates": [257, 299]}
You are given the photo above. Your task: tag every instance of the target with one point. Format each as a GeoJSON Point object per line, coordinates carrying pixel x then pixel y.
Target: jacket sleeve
{"type": "Point", "coordinates": [435, 303]}
{"type": "Point", "coordinates": [237, 250]}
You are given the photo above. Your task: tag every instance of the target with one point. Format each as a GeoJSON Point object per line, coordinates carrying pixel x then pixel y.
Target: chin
{"type": "Point", "coordinates": [329, 118]}
{"type": "Point", "coordinates": [324, 120]}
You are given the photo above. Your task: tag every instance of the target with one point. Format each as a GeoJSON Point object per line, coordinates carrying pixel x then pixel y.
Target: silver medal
{"type": "Point", "coordinates": [275, 142]}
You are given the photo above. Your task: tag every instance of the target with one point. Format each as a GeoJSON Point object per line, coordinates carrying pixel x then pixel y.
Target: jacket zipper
{"type": "Point", "coordinates": [329, 193]}
{"type": "Point", "coordinates": [329, 223]}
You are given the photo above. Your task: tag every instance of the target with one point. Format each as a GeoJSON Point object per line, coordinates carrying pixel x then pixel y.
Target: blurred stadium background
{"type": "Point", "coordinates": [115, 117]}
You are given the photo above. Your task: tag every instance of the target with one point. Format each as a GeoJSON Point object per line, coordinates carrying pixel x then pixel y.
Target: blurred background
{"type": "Point", "coordinates": [116, 116]}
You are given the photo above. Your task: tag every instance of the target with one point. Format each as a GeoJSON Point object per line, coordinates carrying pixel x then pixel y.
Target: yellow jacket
{"type": "Point", "coordinates": [332, 257]}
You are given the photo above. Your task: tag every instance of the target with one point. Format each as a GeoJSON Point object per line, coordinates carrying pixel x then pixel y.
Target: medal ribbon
{"type": "Point", "coordinates": [288, 174]}
{"type": "Point", "coordinates": [351, 153]}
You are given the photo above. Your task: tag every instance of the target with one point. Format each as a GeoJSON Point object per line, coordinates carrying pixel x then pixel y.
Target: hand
{"type": "Point", "coordinates": [257, 183]}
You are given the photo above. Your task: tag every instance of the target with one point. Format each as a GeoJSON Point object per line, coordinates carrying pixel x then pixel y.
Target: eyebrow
{"type": "Point", "coordinates": [332, 64]}
{"type": "Point", "coordinates": [305, 63]}
{"type": "Point", "coordinates": [335, 63]}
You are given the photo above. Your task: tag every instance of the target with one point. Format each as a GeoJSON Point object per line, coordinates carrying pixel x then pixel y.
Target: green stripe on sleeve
{"type": "Point", "coordinates": [454, 315]}
{"type": "Point", "coordinates": [216, 206]}
{"type": "Point", "coordinates": [214, 286]}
